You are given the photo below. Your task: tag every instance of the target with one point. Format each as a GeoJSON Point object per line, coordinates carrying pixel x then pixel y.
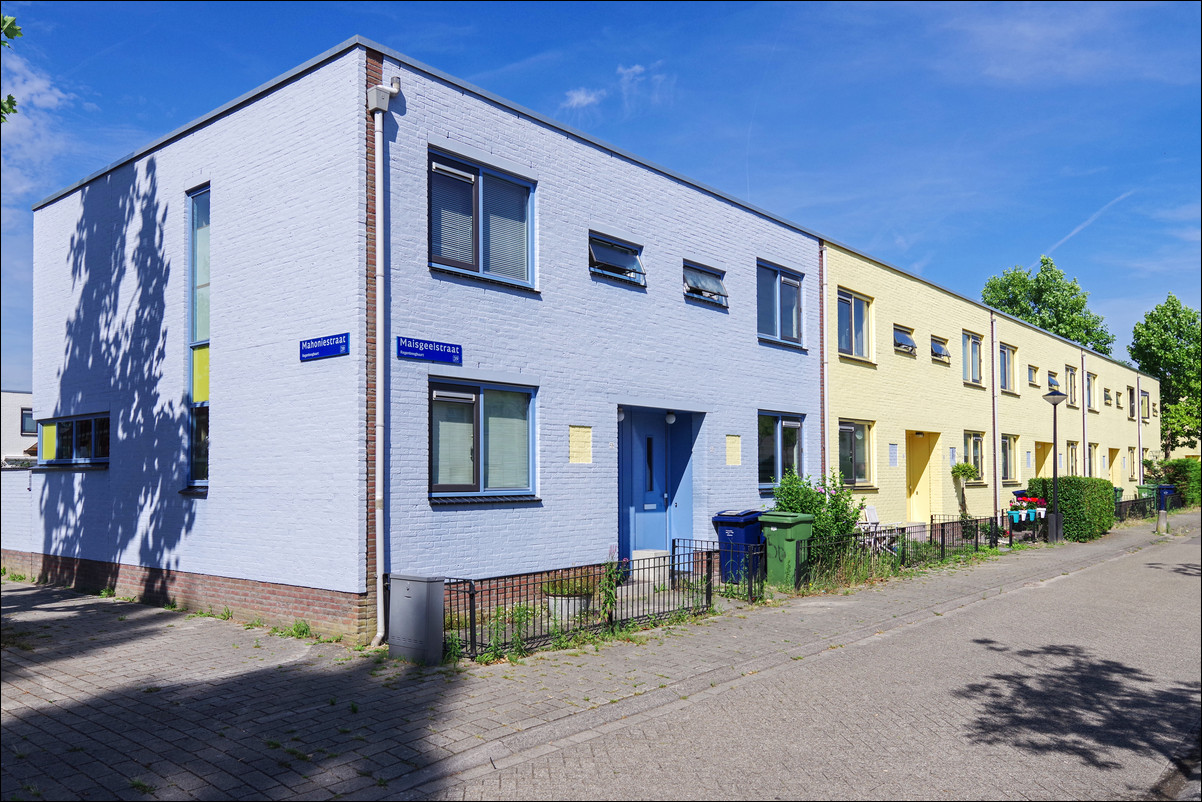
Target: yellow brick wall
{"type": "Point", "coordinates": [902, 395]}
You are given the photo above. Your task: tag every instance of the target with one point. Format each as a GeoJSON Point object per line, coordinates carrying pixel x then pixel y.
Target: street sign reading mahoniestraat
{"type": "Point", "coordinates": [428, 350]}
{"type": "Point", "coordinates": [324, 347]}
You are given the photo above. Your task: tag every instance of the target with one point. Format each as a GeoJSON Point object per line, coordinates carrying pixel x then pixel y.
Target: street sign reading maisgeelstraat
{"type": "Point", "coordinates": [428, 350]}
{"type": "Point", "coordinates": [323, 347]}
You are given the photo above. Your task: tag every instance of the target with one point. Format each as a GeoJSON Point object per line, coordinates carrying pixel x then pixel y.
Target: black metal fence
{"type": "Point", "coordinates": [514, 614]}
{"type": "Point", "coordinates": [1128, 508]}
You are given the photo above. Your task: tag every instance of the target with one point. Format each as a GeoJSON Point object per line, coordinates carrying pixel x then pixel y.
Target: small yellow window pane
{"type": "Point", "coordinates": [734, 450]}
{"type": "Point", "coordinates": [49, 441]}
{"type": "Point", "coordinates": [200, 374]}
{"type": "Point", "coordinates": [580, 444]}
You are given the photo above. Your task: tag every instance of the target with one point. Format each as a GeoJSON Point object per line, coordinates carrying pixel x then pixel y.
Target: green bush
{"type": "Point", "coordinates": [1086, 504]}
{"type": "Point", "coordinates": [835, 511]}
{"type": "Point", "coordinates": [1184, 473]}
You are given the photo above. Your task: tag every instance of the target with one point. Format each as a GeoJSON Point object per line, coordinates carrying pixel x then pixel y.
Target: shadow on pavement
{"type": "Point", "coordinates": [1064, 699]}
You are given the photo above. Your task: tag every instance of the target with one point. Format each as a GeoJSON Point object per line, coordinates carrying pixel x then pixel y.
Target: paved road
{"type": "Point", "coordinates": [1055, 673]}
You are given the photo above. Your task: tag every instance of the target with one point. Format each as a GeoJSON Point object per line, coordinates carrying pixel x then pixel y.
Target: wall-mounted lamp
{"type": "Point", "coordinates": [621, 414]}
{"type": "Point", "coordinates": [670, 418]}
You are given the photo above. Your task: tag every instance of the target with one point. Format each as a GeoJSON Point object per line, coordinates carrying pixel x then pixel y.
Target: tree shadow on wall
{"type": "Point", "coordinates": [1064, 700]}
{"type": "Point", "coordinates": [116, 344]}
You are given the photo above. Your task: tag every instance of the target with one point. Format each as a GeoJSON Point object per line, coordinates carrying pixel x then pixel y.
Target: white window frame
{"type": "Point", "coordinates": [702, 283]}
{"type": "Point", "coordinates": [974, 451]}
{"type": "Point", "coordinates": [474, 393]}
{"type": "Point", "coordinates": [1070, 383]}
{"type": "Point", "coordinates": [853, 426]}
{"type": "Point", "coordinates": [970, 346]}
{"type": "Point", "coordinates": [848, 302]}
{"type": "Point", "coordinates": [939, 344]}
{"type": "Point", "coordinates": [779, 277]}
{"type": "Point", "coordinates": [478, 175]}
{"type": "Point", "coordinates": [603, 262]}
{"type": "Point", "coordinates": [780, 421]}
{"type": "Point", "coordinates": [903, 340]}
{"type": "Point", "coordinates": [1010, 466]}
{"type": "Point", "coordinates": [1006, 357]}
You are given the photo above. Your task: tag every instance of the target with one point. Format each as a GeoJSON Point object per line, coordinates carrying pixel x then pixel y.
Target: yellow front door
{"type": "Point", "coordinates": [1043, 462]}
{"type": "Point", "coordinates": [919, 448]}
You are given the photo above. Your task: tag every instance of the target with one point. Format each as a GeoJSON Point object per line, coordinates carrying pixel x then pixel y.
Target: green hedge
{"type": "Point", "coordinates": [1185, 474]}
{"type": "Point", "coordinates": [1086, 504]}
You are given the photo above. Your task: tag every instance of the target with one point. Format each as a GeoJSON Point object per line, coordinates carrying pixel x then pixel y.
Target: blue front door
{"type": "Point", "coordinates": [649, 479]}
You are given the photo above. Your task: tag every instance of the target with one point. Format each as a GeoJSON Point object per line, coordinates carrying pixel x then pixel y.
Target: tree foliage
{"type": "Point", "coordinates": [1167, 344]}
{"type": "Point", "coordinates": [10, 31]}
{"type": "Point", "coordinates": [1048, 300]}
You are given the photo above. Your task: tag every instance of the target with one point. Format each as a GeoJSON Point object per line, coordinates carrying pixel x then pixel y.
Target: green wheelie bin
{"type": "Point", "coordinates": [788, 536]}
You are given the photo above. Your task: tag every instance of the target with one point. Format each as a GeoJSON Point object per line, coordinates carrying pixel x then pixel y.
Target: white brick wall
{"type": "Point", "coordinates": [16, 511]}
{"type": "Point", "coordinates": [592, 344]}
{"type": "Point", "coordinates": [110, 334]}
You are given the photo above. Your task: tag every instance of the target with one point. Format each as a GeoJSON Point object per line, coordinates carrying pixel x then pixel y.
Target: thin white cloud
{"type": "Point", "coordinates": [1089, 221]}
{"type": "Point", "coordinates": [582, 98]}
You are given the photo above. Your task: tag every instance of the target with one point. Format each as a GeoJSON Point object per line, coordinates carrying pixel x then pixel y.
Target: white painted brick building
{"type": "Point", "coordinates": [593, 404]}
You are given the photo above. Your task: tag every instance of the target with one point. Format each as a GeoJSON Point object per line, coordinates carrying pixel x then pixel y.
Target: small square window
{"type": "Point", "coordinates": [903, 340]}
{"type": "Point", "coordinates": [704, 284]}
{"type": "Point", "coordinates": [1053, 382]}
{"type": "Point", "coordinates": [28, 426]}
{"type": "Point", "coordinates": [615, 259]}
{"type": "Point", "coordinates": [939, 351]}
{"type": "Point", "coordinates": [1109, 399]}
{"type": "Point", "coordinates": [1032, 375]}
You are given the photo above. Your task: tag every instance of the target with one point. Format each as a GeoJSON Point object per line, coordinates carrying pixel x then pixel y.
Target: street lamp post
{"type": "Point", "coordinates": [1055, 526]}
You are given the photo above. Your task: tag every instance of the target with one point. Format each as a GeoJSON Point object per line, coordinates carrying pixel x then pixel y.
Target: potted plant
{"type": "Point", "coordinates": [962, 473]}
{"type": "Point", "coordinates": [569, 597]}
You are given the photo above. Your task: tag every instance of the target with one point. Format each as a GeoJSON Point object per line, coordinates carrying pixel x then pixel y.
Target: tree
{"type": "Point", "coordinates": [10, 31]}
{"type": "Point", "coordinates": [1050, 301]}
{"type": "Point", "coordinates": [1167, 345]}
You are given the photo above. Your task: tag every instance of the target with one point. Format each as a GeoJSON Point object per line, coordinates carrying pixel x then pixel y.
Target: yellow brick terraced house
{"type": "Point", "coordinates": [918, 377]}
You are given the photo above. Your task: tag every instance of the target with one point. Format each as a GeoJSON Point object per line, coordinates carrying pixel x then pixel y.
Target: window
{"type": "Point", "coordinates": [1009, 457]}
{"type": "Point", "coordinates": [198, 396]}
{"type": "Point", "coordinates": [615, 259]}
{"type": "Point", "coordinates": [479, 220]}
{"type": "Point", "coordinates": [1131, 462]}
{"type": "Point", "coordinates": [853, 324]}
{"type": "Point", "coordinates": [1090, 401]}
{"type": "Point", "coordinates": [781, 447]}
{"type": "Point", "coordinates": [1053, 382]}
{"type": "Point", "coordinates": [704, 284]}
{"type": "Point", "coordinates": [939, 351]}
{"type": "Point", "coordinates": [1032, 375]}
{"type": "Point", "coordinates": [779, 303]}
{"type": "Point", "coordinates": [1131, 403]}
{"type": "Point", "coordinates": [27, 423]}
{"type": "Point", "coordinates": [974, 451]}
{"type": "Point", "coordinates": [1118, 399]}
{"type": "Point", "coordinates": [1091, 454]}
{"type": "Point", "coordinates": [480, 439]}
{"type": "Point", "coordinates": [1154, 412]}
{"type": "Point", "coordinates": [854, 449]}
{"type": "Point", "coordinates": [903, 340]}
{"type": "Point", "coordinates": [1006, 364]}
{"type": "Point", "coordinates": [972, 357]}
{"type": "Point", "coordinates": [1145, 405]}
{"type": "Point", "coordinates": [1107, 397]}
{"type": "Point", "coordinates": [74, 441]}
{"type": "Point", "coordinates": [1070, 380]}
{"type": "Point", "coordinates": [1071, 447]}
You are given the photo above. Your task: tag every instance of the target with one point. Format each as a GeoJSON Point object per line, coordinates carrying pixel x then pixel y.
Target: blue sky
{"type": "Point", "coordinates": [951, 140]}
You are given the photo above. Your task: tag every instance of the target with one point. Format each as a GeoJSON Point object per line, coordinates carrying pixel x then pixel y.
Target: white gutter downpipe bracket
{"type": "Point", "coordinates": [378, 98]}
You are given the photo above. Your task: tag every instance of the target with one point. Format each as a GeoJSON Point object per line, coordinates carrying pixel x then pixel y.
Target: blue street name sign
{"type": "Point", "coordinates": [323, 347]}
{"type": "Point", "coordinates": [430, 351]}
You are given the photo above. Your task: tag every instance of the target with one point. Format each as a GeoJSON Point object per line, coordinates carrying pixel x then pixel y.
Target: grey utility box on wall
{"type": "Point", "coordinates": [415, 618]}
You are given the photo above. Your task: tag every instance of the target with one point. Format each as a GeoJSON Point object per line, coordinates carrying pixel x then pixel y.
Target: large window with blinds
{"type": "Point", "coordinates": [481, 439]}
{"type": "Point", "coordinates": [198, 396]}
{"type": "Point", "coordinates": [479, 220]}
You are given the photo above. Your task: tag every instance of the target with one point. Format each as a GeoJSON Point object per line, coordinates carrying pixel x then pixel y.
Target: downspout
{"type": "Point", "coordinates": [377, 100]}
{"type": "Point", "coordinates": [824, 398]}
{"type": "Point", "coordinates": [1139, 428]}
{"type": "Point", "coordinates": [1085, 417]}
{"type": "Point", "coordinates": [993, 398]}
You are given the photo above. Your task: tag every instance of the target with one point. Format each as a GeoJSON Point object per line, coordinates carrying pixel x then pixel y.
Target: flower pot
{"type": "Point", "coordinates": [568, 609]}
{"type": "Point", "coordinates": [1014, 516]}
{"type": "Point", "coordinates": [1043, 511]}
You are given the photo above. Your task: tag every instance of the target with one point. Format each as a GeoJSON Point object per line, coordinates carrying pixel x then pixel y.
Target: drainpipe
{"type": "Point", "coordinates": [377, 100]}
{"type": "Point", "coordinates": [993, 397]}
{"type": "Point", "coordinates": [824, 399]}
{"type": "Point", "coordinates": [1139, 429]}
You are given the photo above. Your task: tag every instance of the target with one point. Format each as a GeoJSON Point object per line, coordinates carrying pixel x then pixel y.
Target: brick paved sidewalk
{"type": "Point", "coordinates": [104, 699]}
